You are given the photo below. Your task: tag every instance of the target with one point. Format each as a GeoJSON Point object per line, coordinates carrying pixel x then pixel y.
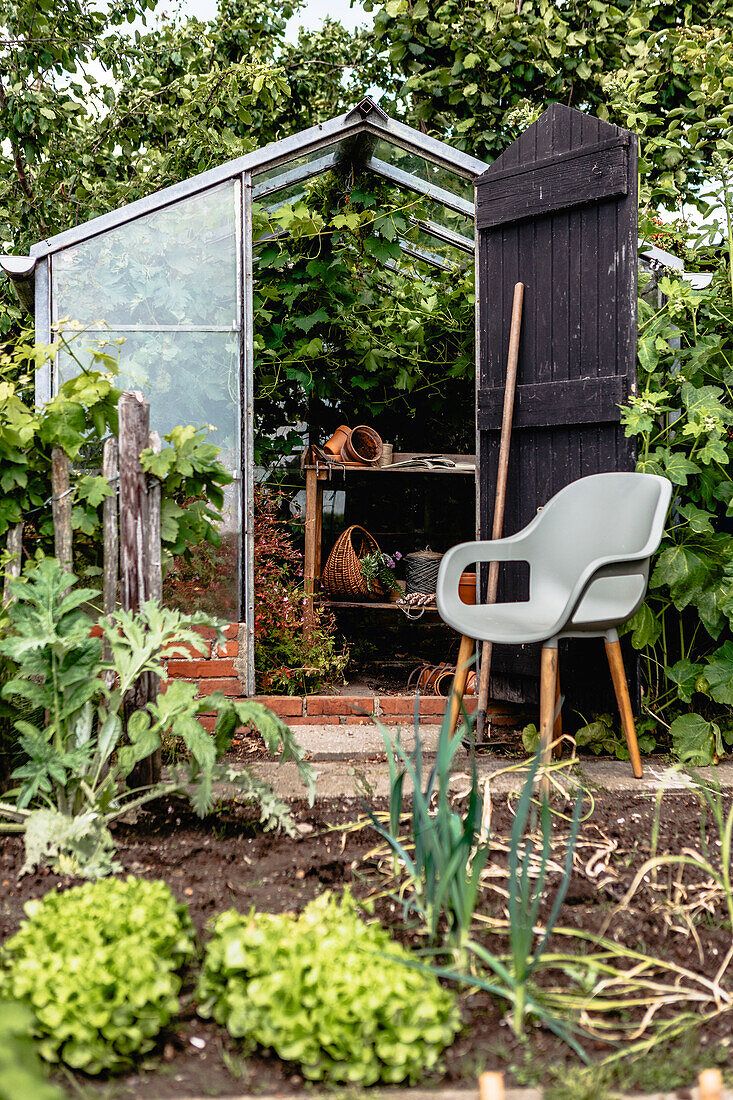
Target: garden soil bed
{"type": "Point", "coordinates": [226, 861]}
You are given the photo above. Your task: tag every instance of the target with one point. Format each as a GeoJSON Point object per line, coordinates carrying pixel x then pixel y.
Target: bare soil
{"type": "Point", "coordinates": [227, 861]}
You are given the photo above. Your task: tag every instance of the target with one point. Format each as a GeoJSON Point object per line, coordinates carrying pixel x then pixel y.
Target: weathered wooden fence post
{"type": "Point", "coordinates": [134, 429]}
{"type": "Point", "coordinates": [110, 542]}
{"type": "Point", "coordinates": [110, 537]}
{"type": "Point", "coordinates": [61, 508]}
{"type": "Point", "coordinates": [14, 546]}
{"type": "Point", "coordinates": [135, 573]}
{"type": "Point", "coordinates": [154, 565]}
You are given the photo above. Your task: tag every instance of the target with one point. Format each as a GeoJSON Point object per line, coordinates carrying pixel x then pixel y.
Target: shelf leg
{"type": "Point", "coordinates": [313, 539]}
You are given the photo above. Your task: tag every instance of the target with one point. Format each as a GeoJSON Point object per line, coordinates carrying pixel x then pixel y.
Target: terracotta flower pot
{"type": "Point", "coordinates": [363, 445]}
{"type": "Point", "coordinates": [467, 587]}
{"type": "Point", "coordinates": [337, 440]}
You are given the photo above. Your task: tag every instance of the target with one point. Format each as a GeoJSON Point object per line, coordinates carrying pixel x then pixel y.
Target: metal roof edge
{"type": "Point", "coordinates": [323, 134]}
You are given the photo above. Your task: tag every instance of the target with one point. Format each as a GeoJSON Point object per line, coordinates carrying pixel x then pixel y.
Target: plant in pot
{"type": "Point", "coordinates": [377, 569]}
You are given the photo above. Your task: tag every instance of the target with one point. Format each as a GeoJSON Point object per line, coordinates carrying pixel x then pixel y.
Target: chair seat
{"type": "Point", "coordinates": [507, 623]}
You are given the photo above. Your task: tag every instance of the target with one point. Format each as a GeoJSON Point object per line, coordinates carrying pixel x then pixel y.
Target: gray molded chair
{"type": "Point", "coordinates": [588, 551]}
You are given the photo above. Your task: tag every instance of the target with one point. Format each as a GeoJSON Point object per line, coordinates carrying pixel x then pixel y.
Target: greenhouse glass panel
{"type": "Point", "coordinates": [162, 294]}
{"type": "Point", "coordinates": [435, 211]}
{"type": "Point", "coordinates": [423, 169]}
{"type": "Point", "coordinates": [188, 378]}
{"type": "Point", "coordinates": [176, 266]}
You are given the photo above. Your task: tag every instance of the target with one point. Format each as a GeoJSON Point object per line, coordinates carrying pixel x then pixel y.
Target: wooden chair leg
{"type": "Point", "coordinates": [548, 687]}
{"type": "Point", "coordinates": [557, 728]}
{"type": "Point", "coordinates": [463, 667]}
{"type": "Point", "coordinates": [621, 688]}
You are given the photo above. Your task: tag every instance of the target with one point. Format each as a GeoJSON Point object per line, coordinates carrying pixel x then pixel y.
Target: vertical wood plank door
{"type": "Point", "coordinates": [558, 212]}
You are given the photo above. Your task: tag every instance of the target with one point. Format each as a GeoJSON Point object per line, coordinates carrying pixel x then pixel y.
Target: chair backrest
{"type": "Point", "coordinates": [613, 514]}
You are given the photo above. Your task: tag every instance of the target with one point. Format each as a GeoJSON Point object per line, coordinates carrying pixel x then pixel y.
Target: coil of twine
{"type": "Point", "coordinates": [421, 571]}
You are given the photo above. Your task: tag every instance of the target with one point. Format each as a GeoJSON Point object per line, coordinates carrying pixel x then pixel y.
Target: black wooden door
{"type": "Point", "coordinates": [558, 212]}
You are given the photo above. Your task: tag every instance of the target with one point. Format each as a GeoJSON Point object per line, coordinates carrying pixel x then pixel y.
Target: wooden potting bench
{"type": "Point", "coordinates": [319, 475]}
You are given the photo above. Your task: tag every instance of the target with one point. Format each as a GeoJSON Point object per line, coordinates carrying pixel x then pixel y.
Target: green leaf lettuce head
{"type": "Point", "coordinates": [97, 967]}
{"type": "Point", "coordinates": [328, 992]}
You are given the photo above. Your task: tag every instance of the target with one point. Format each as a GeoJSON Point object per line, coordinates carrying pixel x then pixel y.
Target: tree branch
{"type": "Point", "coordinates": [19, 166]}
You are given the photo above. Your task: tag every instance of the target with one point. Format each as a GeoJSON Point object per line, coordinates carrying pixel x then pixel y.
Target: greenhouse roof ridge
{"type": "Point", "coordinates": [365, 118]}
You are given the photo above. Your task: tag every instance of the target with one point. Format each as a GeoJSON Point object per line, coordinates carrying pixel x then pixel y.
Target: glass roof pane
{"type": "Point", "coordinates": [296, 162]}
{"type": "Point", "coordinates": [423, 169]}
{"type": "Point", "coordinates": [282, 197]}
{"type": "Point", "coordinates": [451, 219]}
{"type": "Point", "coordinates": [174, 267]}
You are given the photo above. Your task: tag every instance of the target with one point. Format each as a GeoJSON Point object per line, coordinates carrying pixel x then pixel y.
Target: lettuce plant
{"type": "Point", "coordinates": [97, 965]}
{"type": "Point", "coordinates": [328, 992]}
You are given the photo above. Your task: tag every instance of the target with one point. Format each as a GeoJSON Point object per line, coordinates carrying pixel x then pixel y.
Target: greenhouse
{"type": "Point", "coordinates": [170, 277]}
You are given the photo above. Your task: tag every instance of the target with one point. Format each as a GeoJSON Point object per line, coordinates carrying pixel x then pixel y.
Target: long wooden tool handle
{"type": "Point", "coordinates": [502, 476]}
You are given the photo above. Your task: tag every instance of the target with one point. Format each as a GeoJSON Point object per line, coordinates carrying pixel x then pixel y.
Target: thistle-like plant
{"type": "Point", "coordinates": [80, 753]}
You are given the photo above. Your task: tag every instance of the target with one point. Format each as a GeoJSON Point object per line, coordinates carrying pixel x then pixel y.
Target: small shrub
{"type": "Point", "coordinates": [97, 967]}
{"type": "Point", "coordinates": [328, 992]}
{"type": "Point", "coordinates": [79, 775]}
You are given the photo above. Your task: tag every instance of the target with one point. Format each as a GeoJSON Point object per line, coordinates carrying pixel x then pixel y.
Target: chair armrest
{"type": "Point", "coordinates": [458, 558]}
{"type": "Point", "coordinates": [613, 562]}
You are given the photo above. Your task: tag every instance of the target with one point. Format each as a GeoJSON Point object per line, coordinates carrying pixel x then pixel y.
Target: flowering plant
{"type": "Point", "coordinates": [283, 662]}
{"type": "Point", "coordinates": [377, 569]}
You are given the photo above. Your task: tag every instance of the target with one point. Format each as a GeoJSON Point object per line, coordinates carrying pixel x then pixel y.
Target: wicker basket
{"type": "Point", "coordinates": [342, 578]}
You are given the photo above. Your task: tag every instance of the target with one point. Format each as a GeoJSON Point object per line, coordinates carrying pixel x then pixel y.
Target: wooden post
{"type": "Point", "coordinates": [61, 508]}
{"type": "Point", "coordinates": [14, 545]}
{"type": "Point", "coordinates": [134, 424]}
{"type": "Point", "coordinates": [711, 1085]}
{"type": "Point", "coordinates": [491, 1086]}
{"type": "Point", "coordinates": [155, 569]}
{"type": "Point", "coordinates": [111, 542]}
{"type": "Point", "coordinates": [134, 429]}
{"type": "Point", "coordinates": [313, 540]}
{"type": "Point", "coordinates": [155, 572]}
{"type": "Point", "coordinates": [110, 536]}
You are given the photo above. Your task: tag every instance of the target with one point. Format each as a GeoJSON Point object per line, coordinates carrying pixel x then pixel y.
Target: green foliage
{"type": "Point", "coordinates": [377, 571]}
{"type": "Point", "coordinates": [292, 656]}
{"type": "Point", "coordinates": [77, 419]}
{"type": "Point", "coordinates": [97, 965]}
{"type": "Point", "coordinates": [483, 75]}
{"type": "Point", "coordinates": [600, 736]}
{"type": "Point", "coordinates": [20, 1070]}
{"type": "Point", "coordinates": [328, 992]}
{"type": "Point", "coordinates": [512, 978]}
{"type": "Point", "coordinates": [325, 302]}
{"type": "Point", "coordinates": [527, 880]}
{"type": "Point", "coordinates": [682, 422]}
{"type": "Point", "coordinates": [446, 851]}
{"type": "Point", "coordinates": [82, 755]}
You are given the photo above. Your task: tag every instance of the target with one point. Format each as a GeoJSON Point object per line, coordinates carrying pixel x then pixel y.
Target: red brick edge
{"type": "Point", "coordinates": [224, 671]}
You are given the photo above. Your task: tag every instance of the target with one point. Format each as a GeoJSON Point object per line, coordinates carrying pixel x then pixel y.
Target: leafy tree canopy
{"type": "Point", "coordinates": [102, 103]}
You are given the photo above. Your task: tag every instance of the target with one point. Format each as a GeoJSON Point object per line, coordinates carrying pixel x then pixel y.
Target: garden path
{"type": "Point", "coordinates": [351, 760]}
